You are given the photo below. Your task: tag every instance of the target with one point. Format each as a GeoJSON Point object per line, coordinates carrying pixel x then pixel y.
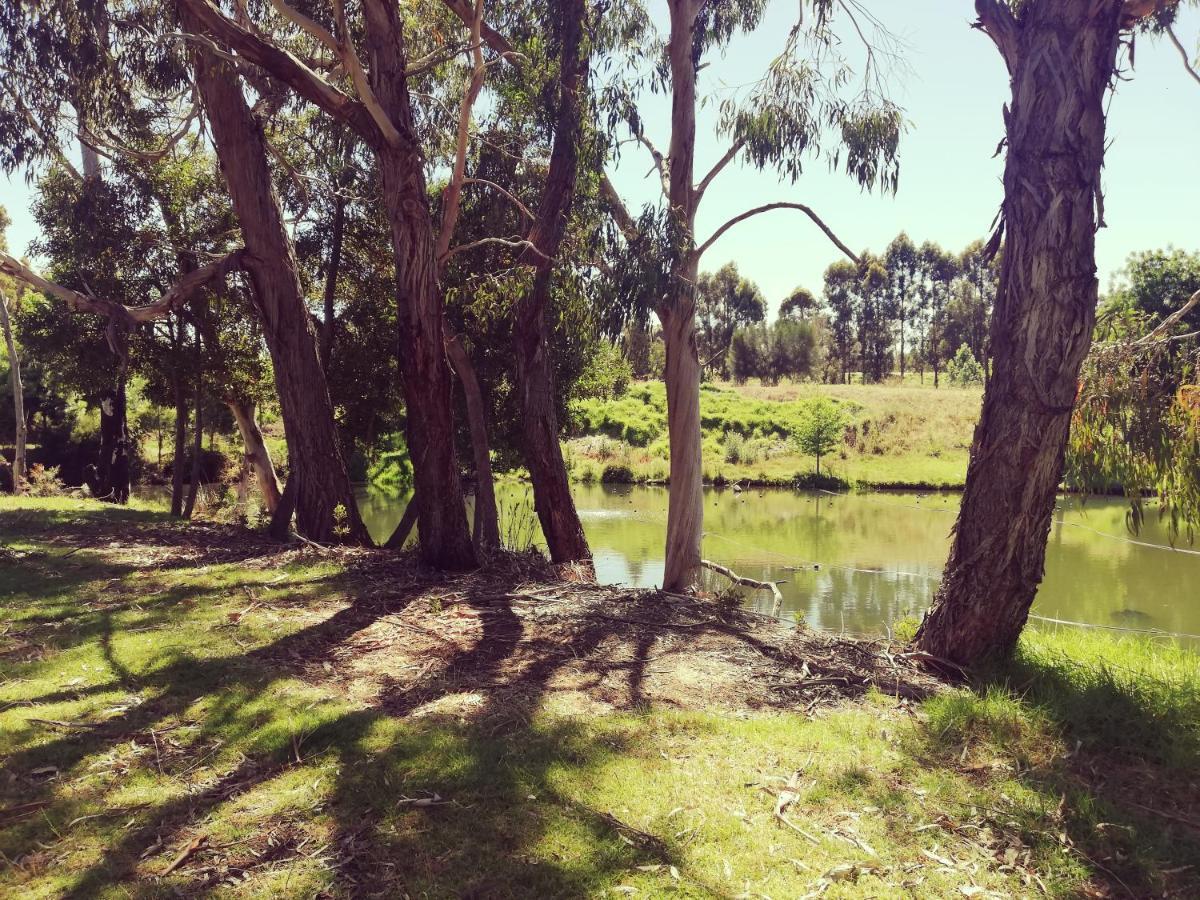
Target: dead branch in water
{"type": "Point", "coordinates": [747, 582]}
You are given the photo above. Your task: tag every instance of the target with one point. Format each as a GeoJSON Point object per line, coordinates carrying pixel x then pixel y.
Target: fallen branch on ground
{"type": "Point", "coordinates": [747, 582]}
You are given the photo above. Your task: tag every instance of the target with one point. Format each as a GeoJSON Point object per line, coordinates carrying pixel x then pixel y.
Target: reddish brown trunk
{"type": "Point", "coordinates": [1061, 55]}
{"type": "Point", "coordinates": [314, 455]}
{"type": "Point", "coordinates": [445, 540]}
{"type": "Point", "coordinates": [531, 338]}
{"type": "Point", "coordinates": [487, 518]}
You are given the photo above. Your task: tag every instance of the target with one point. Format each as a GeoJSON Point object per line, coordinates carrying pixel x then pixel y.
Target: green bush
{"type": "Point", "coordinates": [964, 369]}
{"type": "Point", "coordinates": [616, 474]}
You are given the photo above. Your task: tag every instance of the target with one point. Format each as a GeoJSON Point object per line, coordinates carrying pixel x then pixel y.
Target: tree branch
{"type": "Point", "coordinates": [358, 75]}
{"type": "Point", "coordinates": [1170, 320]}
{"type": "Point", "coordinates": [747, 582]}
{"type": "Point", "coordinates": [304, 23]}
{"type": "Point", "coordinates": [767, 208]}
{"type": "Point", "coordinates": [1187, 60]}
{"type": "Point", "coordinates": [998, 22]}
{"type": "Point", "coordinates": [491, 37]}
{"type": "Point", "coordinates": [525, 211]}
{"type": "Point", "coordinates": [716, 170]}
{"type": "Point", "coordinates": [660, 163]}
{"type": "Point", "coordinates": [283, 65]}
{"type": "Point", "coordinates": [181, 292]}
{"type": "Point", "coordinates": [620, 212]}
{"type": "Point", "coordinates": [452, 198]}
{"type": "Point", "coordinates": [517, 244]}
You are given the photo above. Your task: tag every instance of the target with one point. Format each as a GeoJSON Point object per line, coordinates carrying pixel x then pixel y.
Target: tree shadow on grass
{"type": "Point", "coordinates": [503, 830]}
{"type": "Point", "coordinates": [1115, 760]}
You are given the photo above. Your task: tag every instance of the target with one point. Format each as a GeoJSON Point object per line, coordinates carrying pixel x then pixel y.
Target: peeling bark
{"type": "Point", "coordinates": [552, 498]}
{"type": "Point", "coordinates": [258, 458]}
{"type": "Point", "coordinates": [18, 393]}
{"type": "Point", "coordinates": [1061, 56]}
{"type": "Point", "coordinates": [317, 466]}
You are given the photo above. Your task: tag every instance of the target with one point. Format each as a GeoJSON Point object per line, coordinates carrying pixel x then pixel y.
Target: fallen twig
{"type": "Point", "coordinates": [747, 582]}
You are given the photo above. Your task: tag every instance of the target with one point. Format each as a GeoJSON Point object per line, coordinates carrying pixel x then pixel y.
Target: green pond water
{"type": "Point", "coordinates": [879, 555]}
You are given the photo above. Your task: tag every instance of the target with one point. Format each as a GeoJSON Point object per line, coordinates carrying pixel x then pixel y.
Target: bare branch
{"type": "Point", "coordinates": [490, 36]}
{"type": "Point", "coordinates": [747, 582]}
{"type": "Point", "coordinates": [1170, 320]}
{"type": "Point", "coordinates": [181, 292]}
{"type": "Point", "coordinates": [304, 23]}
{"type": "Point", "coordinates": [716, 170]}
{"type": "Point", "coordinates": [620, 212]}
{"type": "Point", "coordinates": [516, 244]}
{"type": "Point", "coordinates": [516, 202]}
{"type": "Point", "coordinates": [767, 208]}
{"type": "Point", "coordinates": [452, 198]}
{"type": "Point", "coordinates": [660, 163]}
{"type": "Point", "coordinates": [436, 58]}
{"type": "Point", "coordinates": [358, 75]}
{"type": "Point", "coordinates": [283, 65]}
{"type": "Point", "coordinates": [1187, 60]}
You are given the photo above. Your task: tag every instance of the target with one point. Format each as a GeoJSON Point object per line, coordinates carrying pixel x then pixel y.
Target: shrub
{"type": "Point", "coordinates": [964, 369]}
{"type": "Point", "coordinates": [616, 474]}
{"type": "Point", "coordinates": [43, 482]}
{"type": "Point", "coordinates": [822, 428]}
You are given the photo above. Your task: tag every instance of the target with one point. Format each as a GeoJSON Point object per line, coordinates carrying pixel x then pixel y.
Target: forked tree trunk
{"type": "Point", "coordinates": [1061, 55]}
{"type": "Point", "coordinates": [685, 513]}
{"type": "Point", "coordinates": [445, 540]}
{"type": "Point", "coordinates": [257, 457]}
{"type": "Point", "coordinates": [314, 454]}
{"type": "Point", "coordinates": [18, 392]}
{"type": "Point", "coordinates": [531, 330]}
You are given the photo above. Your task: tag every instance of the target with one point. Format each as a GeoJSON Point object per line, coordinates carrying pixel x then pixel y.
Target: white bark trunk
{"type": "Point", "coordinates": [257, 456]}
{"type": "Point", "coordinates": [14, 374]}
{"type": "Point", "coordinates": [685, 512]}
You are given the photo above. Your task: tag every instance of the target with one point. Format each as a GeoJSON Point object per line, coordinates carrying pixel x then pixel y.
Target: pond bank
{"type": "Point", "coordinates": [188, 708]}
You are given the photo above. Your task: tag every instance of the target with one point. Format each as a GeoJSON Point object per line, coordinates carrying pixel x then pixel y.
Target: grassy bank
{"type": "Point", "coordinates": [898, 435]}
{"type": "Point", "coordinates": [185, 709]}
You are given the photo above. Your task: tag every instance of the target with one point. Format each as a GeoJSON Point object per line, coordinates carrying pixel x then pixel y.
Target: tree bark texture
{"type": "Point", "coordinates": [1061, 56]}
{"type": "Point", "coordinates": [314, 454]}
{"type": "Point", "coordinates": [181, 422]}
{"type": "Point", "coordinates": [685, 512]}
{"type": "Point", "coordinates": [197, 473]}
{"type": "Point", "coordinates": [531, 328]}
{"type": "Point", "coordinates": [445, 540]}
{"type": "Point", "coordinates": [18, 393]}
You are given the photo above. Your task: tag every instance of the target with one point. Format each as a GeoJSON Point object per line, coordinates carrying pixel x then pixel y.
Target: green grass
{"type": "Point", "coordinates": [204, 674]}
{"type": "Point", "coordinates": [900, 435]}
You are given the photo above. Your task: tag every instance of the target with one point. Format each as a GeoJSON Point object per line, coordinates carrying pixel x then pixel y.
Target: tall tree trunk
{"type": "Point", "coordinates": [181, 422]}
{"type": "Point", "coordinates": [487, 518]}
{"type": "Point", "coordinates": [1061, 55]}
{"type": "Point", "coordinates": [18, 392]}
{"type": "Point", "coordinates": [314, 454]}
{"type": "Point", "coordinates": [112, 482]}
{"type": "Point", "coordinates": [329, 322]}
{"type": "Point", "coordinates": [445, 540]}
{"type": "Point", "coordinates": [258, 458]}
{"type": "Point", "coordinates": [685, 511]}
{"type": "Point", "coordinates": [531, 329]}
{"type": "Point", "coordinates": [197, 474]}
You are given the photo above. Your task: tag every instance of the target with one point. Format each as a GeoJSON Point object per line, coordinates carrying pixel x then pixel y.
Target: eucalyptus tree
{"type": "Point", "coordinates": [800, 304]}
{"type": "Point", "coordinates": [782, 120]}
{"type": "Point", "coordinates": [839, 298]}
{"type": "Point", "coordinates": [937, 270]}
{"type": "Point", "coordinates": [903, 267]}
{"type": "Point", "coordinates": [1061, 56]}
{"type": "Point", "coordinates": [725, 302]}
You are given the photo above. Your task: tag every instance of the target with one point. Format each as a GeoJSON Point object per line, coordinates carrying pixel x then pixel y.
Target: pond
{"type": "Point", "coordinates": [879, 555]}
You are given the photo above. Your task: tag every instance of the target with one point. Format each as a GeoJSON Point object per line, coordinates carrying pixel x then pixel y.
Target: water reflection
{"type": "Point", "coordinates": [859, 562]}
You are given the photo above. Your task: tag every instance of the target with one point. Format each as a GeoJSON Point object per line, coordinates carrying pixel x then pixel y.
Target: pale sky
{"type": "Point", "coordinates": [950, 189]}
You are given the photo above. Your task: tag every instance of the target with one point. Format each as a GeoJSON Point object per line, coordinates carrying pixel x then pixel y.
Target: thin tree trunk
{"type": "Point", "coordinates": [442, 518]}
{"type": "Point", "coordinates": [314, 454]}
{"type": "Point", "coordinates": [18, 392]}
{"type": "Point", "coordinates": [1061, 55]}
{"type": "Point", "coordinates": [552, 498]}
{"type": "Point", "coordinates": [487, 520]}
{"type": "Point", "coordinates": [329, 322]}
{"type": "Point", "coordinates": [258, 458]}
{"type": "Point", "coordinates": [404, 529]}
{"type": "Point", "coordinates": [181, 423]}
{"type": "Point", "coordinates": [197, 444]}
{"type": "Point", "coordinates": [685, 512]}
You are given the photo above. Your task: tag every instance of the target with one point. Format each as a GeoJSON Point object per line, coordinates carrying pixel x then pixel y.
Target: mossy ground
{"type": "Point", "coordinates": [902, 435]}
{"type": "Point", "coordinates": [174, 719]}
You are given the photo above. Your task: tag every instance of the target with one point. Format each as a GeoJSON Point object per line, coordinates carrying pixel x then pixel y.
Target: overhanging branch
{"type": "Point", "coordinates": [716, 170]}
{"type": "Point", "coordinates": [768, 208]}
